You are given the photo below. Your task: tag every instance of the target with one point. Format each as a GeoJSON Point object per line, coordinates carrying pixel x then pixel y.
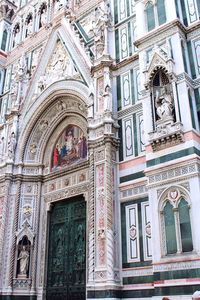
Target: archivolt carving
{"type": "Point", "coordinates": [49, 120]}
{"type": "Point", "coordinates": [69, 89]}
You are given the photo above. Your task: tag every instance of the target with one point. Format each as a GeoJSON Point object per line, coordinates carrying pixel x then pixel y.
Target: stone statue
{"type": "Point", "coordinates": [164, 105]}
{"type": "Point", "coordinates": [35, 59]}
{"type": "Point", "coordinates": [23, 261]}
{"type": "Point", "coordinates": [107, 99]}
{"type": "Point", "coordinates": [11, 146]}
{"type": "Point", "coordinates": [16, 39]}
{"type": "Point", "coordinates": [22, 67]}
{"type": "Point", "coordinates": [43, 17]}
{"type": "Point", "coordinates": [14, 91]}
{"type": "Point", "coordinates": [29, 27]}
{"type": "Point", "coordinates": [1, 148]}
{"type": "Point", "coordinates": [99, 25]}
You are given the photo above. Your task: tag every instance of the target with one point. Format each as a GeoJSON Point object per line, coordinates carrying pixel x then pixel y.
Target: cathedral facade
{"type": "Point", "coordinates": [99, 149]}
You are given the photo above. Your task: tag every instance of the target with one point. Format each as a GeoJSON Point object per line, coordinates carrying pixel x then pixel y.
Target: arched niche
{"type": "Point", "coordinates": [162, 95]}
{"type": "Point", "coordinates": [23, 258]}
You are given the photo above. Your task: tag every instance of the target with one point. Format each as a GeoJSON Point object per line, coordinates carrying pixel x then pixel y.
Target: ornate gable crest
{"type": "Point", "coordinates": [157, 61]}
{"type": "Point", "coordinates": [60, 66]}
{"type": "Point", "coordinates": [25, 231]}
{"type": "Point", "coordinates": [160, 59]}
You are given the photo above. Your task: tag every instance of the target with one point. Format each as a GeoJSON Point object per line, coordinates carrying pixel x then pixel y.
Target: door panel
{"type": "Point", "coordinates": [66, 278]}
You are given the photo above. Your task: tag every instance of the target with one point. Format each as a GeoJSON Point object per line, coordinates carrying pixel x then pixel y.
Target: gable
{"type": "Point", "coordinates": [61, 59]}
{"type": "Point", "coordinates": [157, 60]}
{"type": "Point", "coordinates": [60, 66]}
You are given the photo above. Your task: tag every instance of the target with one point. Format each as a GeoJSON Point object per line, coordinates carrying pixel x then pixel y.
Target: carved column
{"type": "Point", "coordinates": [103, 145]}
{"type": "Point", "coordinates": [35, 245]}
{"type": "Point", "coordinates": [11, 221]}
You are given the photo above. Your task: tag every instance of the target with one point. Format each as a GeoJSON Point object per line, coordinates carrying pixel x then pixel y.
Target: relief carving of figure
{"type": "Point", "coordinates": [60, 65]}
{"type": "Point", "coordinates": [22, 67]}
{"type": "Point", "coordinates": [23, 259]}
{"type": "Point", "coordinates": [164, 104]}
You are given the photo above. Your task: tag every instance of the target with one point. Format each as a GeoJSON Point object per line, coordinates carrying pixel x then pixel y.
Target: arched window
{"type": "Point", "coordinates": [185, 227]}
{"type": "Point", "coordinates": [4, 40]}
{"type": "Point", "coordinates": [161, 11]}
{"type": "Point", "coordinates": [155, 14]}
{"type": "Point", "coordinates": [150, 16]}
{"type": "Point", "coordinates": [170, 231]}
{"type": "Point", "coordinates": [176, 224]}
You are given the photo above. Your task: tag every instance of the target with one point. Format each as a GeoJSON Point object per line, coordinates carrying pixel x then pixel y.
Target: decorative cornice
{"type": "Point", "coordinates": [125, 62]}
{"type": "Point", "coordinates": [162, 29]}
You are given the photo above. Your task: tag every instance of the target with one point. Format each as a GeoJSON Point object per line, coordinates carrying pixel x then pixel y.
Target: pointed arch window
{"type": "Point", "coordinates": [185, 226]}
{"type": "Point", "coordinates": [177, 226]}
{"type": "Point", "coordinates": [155, 14]}
{"type": "Point", "coordinates": [170, 231]}
{"type": "Point", "coordinates": [4, 40]}
{"type": "Point", "coordinates": [161, 12]}
{"type": "Point", "coordinates": [150, 16]}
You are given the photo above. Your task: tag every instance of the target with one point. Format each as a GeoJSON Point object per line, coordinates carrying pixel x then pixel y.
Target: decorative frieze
{"type": "Point", "coordinates": [67, 193]}
{"type": "Point", "coordinates": [137, 272]}
{"type": "Point", "coordinates": [22, 283]}
{"type": "Point", "coordinates": [131, 192]}
{"type": "Point", "coordinates": [176, 172]}
{"type": "Point", "coordinates": [181, 265]}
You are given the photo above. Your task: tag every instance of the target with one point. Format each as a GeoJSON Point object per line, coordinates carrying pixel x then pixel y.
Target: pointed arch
{"type": "Point", "coordinates": [74, 95]}
{"type": "Point", "coordinates": [174, 211]}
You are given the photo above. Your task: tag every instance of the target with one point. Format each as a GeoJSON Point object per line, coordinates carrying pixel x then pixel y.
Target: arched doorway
{"type": "Point", "coordinates": [56, 149]}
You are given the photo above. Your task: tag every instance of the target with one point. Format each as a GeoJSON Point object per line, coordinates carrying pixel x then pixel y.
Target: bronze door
{"type": "Point", "coordinates": [66, 277]}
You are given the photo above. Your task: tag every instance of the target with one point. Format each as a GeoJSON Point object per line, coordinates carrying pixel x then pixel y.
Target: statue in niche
{"type": "Point", "coordinates": [16, 38]}
{"type": "Point", "coordinates": [164, 104]}
{"type": "Point", "coordinates": [23, 259]}
{"type": "Point", "coordinates": [11, 146]}
{"type": "Point", "coordinates": [107, 99]}
{"type": "Point", "coordinates": [43, 17]}
{"type": "Point", "coordinates": [1, 148]}
{"type": "Point", "coordinates": [163, 99]}
{"type": "Point", "coordinates": [29, 29]}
